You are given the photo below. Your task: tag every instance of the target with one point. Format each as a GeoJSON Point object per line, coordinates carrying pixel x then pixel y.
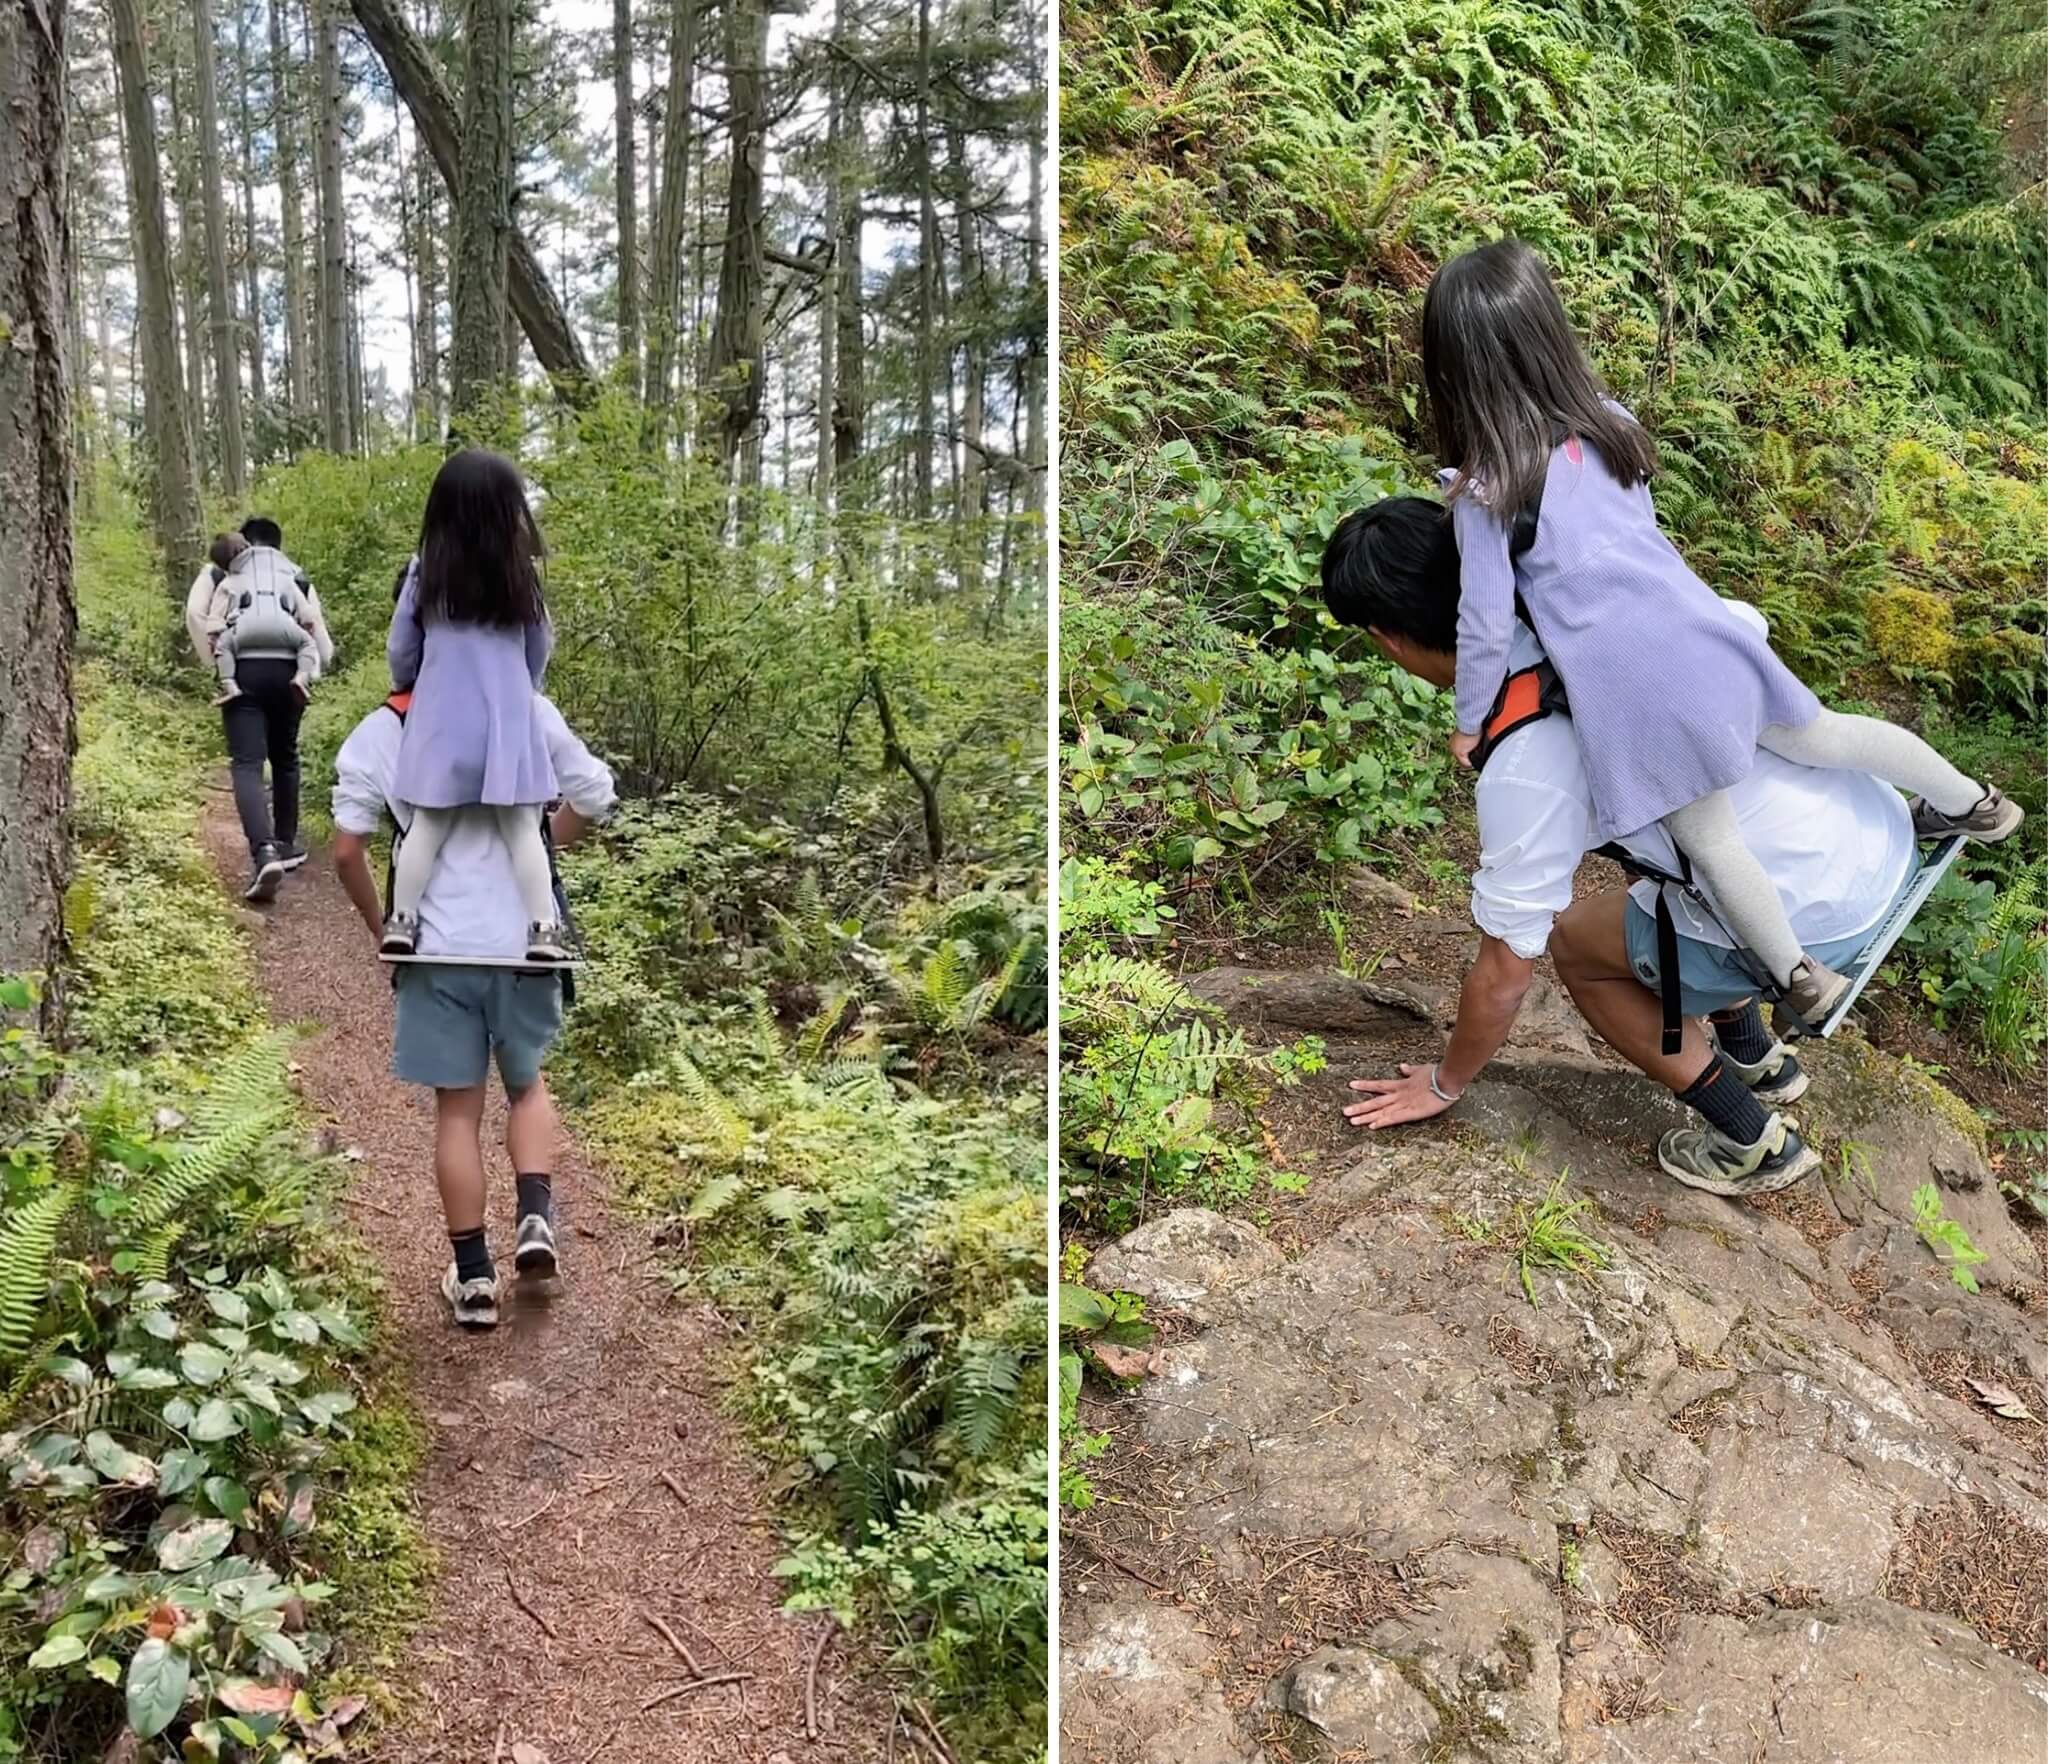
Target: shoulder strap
{"type": "Point", "coordinates": [1525, 697]}
{"type": "Point", "coordinates": [398, 703]}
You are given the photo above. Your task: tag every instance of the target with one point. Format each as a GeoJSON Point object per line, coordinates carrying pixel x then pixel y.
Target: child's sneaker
{"type": "Point", "coordinates": [401, 934]}
{"type": "Point", "coordinates": [1814, 990]}
{"type": "Point", "coordinates": [474, 1302]}
{"type": "Point", "coordinates": [1707, 1159]}
{"type": "Point", "coordinates": [1994, 818]}
{"type": "Point", "coordinates": [546, 943]}
{"type": "Point", "coordinates": [534, 1256]}
{"type": "Point", "coordinates": [1775, 1079]}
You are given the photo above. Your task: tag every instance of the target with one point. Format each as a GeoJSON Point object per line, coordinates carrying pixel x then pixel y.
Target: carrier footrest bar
{"type": "Point", "coordinates": [1870, 958]}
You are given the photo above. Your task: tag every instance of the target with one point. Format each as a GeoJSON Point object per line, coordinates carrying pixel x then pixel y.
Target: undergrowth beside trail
{"type": "Point", "coordinates": [207, 1511]}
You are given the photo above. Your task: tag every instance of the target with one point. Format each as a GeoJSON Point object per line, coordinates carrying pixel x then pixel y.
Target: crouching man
{"type": "Point", "coordinates": [454, 1019]}
{"type": "Point", "coordinates": [1839, 845]}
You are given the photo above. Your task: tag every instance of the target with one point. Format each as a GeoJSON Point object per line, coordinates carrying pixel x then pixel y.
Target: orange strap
{"type": "Point", "coordinates": [401, 702]}
{"type": "Point", "coordinates": [1522, 700]}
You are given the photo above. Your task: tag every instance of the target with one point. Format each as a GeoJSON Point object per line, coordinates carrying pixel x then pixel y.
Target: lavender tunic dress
{"type": "Point", "coordinates": [1668, 689]}
{"type": "Point", "coordinates": [471, 735]}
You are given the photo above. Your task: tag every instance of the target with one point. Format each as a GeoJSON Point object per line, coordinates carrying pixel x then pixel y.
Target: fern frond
{"type": "Point", "coordinates": [153, 1253]}
{"type": "Point", "coordinates": [28, 1243]}
{"type": "Point", "coordinates": [984, 1395]}
{"type": "Point", "coordinates": [195, 1168]}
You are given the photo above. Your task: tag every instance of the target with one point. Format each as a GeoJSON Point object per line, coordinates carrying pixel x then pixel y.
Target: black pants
{"type": "Point", "coordinates": [263, 724]}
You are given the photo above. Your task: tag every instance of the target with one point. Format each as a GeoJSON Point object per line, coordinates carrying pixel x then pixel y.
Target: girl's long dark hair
{"type": "Point", "coordinates": [480, 550]}
{"type": "Point", "coordinates": [1505, 372]}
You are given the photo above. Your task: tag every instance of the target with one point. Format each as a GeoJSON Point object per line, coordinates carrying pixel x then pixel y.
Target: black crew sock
{"type": "Point", "coordinates": [1727, 1104]}
{"type": "Point", "coordinates": [536, 1195]}
{"type": "Point", "coordinates": [1742, 1034]}
{"type": "Point", "coordinates": [472, 1254]}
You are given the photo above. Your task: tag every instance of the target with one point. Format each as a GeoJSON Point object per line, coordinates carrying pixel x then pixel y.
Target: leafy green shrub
{"type": "Point", "coordinates": [1982, 958]}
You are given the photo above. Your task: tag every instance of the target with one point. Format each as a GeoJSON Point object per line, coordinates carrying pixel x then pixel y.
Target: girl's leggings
{"type": "Point", "coordinates": [1708, 833]}
{"type": "Point", "coordinates": [519, 826]}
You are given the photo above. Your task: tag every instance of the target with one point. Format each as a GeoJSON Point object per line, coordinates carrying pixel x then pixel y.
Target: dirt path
{"type": "Point", "coordinates": [580, 1476]}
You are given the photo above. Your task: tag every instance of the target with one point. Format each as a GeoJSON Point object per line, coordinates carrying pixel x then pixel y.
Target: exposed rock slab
{"type": "Point", "coordinates": [1182, 1257]}
{"type": "Point", "coordinates": [1135, 1688]}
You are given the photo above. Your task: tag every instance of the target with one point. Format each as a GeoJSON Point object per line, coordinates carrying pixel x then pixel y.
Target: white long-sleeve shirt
{"type": "Point", "coordinates": [472, 905]}
{"type": "Point", "coordinates": [1837, 844]}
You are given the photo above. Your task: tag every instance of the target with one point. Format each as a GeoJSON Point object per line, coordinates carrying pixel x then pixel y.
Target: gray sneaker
{"type": "Point", "coordinates": [1994, 818]}
{"type": "Point", "coordinates": [534, 1255]}
{"type": "Point", "coordinates": [474, 1302]}
{"type": "Point", "coordinates": [1775, 1079]}
{"type": "Point", "coordinates": [1704, 1158]}
{"type": "Point", "coordinates": [291, 853]}
{"type": "Point", "coordinates": [1815, 990]}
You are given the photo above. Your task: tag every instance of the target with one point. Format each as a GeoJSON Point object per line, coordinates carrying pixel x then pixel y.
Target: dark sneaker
{"type": "Point", "coordinates": [1815, 990]}
{"type": "Point", "coordinates": [291, 853]}
{"type": "Point", "coordinates": [546, 943]}
{"type": "Point", "coordinates": [1994, 818]}
{"type": "Point", "coordinates": [401, 935]}
{"type": "Point", "coordinates": [269, 872]}
{"type": "Point", "coordinates": [534, 1255]}
{"type": "Point", "coordinates": [1775, 1079]}
{"type": "Point", "coordinates": [474, 1302]}
{"type": "Point", "coordinates": [1704, 1158]}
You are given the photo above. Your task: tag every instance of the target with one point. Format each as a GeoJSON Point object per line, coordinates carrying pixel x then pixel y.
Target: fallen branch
{"type": "Point", "coordinates": [674, 1487]}
{"type": "Point", "coordinates": [675, 1641]}
{"type": "Point", "coordinates": [519, 1599]}
{"type": "Point", "coordinates": [825, 1636]}
{"type": "Point", "coordinates": [683, 1690]}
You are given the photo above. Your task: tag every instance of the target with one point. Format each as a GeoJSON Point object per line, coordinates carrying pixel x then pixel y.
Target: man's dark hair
{"type": "Point", "coordinates": [262, 530]}
{"type": "Point", "coordinates": [1394, 566]}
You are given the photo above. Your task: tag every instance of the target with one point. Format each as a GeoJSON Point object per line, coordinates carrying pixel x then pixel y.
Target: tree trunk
{"type": "Point", "coordinates": [627, 174]}
{"type": "Point", "coordinates": [419, 82]}
{"type": "Point", "coordinates": [665, 272]}
{"type": "Point", "coordinates": [189, 270]}
{"type": "Point", "coordinates": [927, 268]}
{"type": "Point", "coordinates": [428, 211]}
{"type": "Point", "coordinates": [335, 407]}
{"type": "Point", "coordinates": [735, 368]}
{"type": "Point", "coordinates": [227, 371]}
{"type": "Point", "coordinates": [836, 268]}
{"type": "Point", "coordinates": [252, 298]}
{"type": "Point", "coordinates": [175, 501]}
{"type": "Point", "coordinates": [284, 134]}
{"type": "Point", "coordinates": [480, 294]}
{"type": "Point", "coordinates": [1034, 347]}
{"type": "Point", "coordinates": [37, 617]}
{"type": "Point", "coordinates": [970, 313]}
{"type": "Point", "coordinates": [358, 401]}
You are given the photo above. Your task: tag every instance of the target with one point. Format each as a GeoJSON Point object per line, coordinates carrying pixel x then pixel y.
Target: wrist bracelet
{"type": "Point", "coordinates": [1437, 1090]}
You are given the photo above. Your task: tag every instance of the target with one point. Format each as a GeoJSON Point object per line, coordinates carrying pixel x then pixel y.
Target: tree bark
{"type": "Point", "coordinates": [335, 407]}
{"type": "Point", "coordinates": [627, 174]}
{"type": "Point", "coordinates": [927, 268]}
{"type": "Point", "coordinates": [735, 367]}
{"type": "Point", "coordinates": [1035, 342]}
{"type": "Point", "coordinates": [37, 616]}
{"type": "Point", "coordinates": [665, 275]}
{"type": "Point", "coordinates": [175, 501]}
{"type": "Point", "coordinates": [971, 319]}
{"type": "Point", "coordinates": [252, 299]}
{"type": "Point", "coordinates": [188, 268]}
{"type": "Point", "coordinates": [227, 371]}
{"type": "Point", "coordinates": [284, 134]}
{"type": "Point", "coordinates": [478, 353]}
{"type": "Point", "coordinates": [835, 272]}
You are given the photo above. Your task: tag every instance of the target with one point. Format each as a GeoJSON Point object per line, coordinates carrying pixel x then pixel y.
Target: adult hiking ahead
{"type": "Point", "coordinates": [256, 625]}
{"type": "Point", "coordinates": [1837, 845]}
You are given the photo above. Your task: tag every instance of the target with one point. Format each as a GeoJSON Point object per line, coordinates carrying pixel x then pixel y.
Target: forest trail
{"type": "Point", "coordinates": [580, 1478]}
{"type": "Point", "coordinates": [1757, 1481]}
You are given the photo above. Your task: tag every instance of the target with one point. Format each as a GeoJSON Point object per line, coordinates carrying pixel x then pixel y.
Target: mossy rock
{"type": "Point", "coordinates": [1911, 630]}
{"type": "Point", "coordinates": [1980, 661]}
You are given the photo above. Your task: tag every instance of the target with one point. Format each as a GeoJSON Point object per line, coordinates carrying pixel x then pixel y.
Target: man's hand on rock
{"type": "Point", "coordinates": [1396, 1101]}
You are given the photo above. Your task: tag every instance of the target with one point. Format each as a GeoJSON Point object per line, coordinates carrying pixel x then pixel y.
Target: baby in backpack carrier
{"type": "Point", "coordinates": [1671, 695]}
{"type": "Point", "coordinates": [470, 640]}
{"type": "Point", "coordinates": [253, 612]}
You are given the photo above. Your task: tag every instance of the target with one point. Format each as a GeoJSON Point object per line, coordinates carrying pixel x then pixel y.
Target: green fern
{"type": "Point", "coordinates": [984, 1395]}
{"type": "Point", "coordinates": [153, 1253]}
{"type": "Point", "coordinates": [28, 1244]}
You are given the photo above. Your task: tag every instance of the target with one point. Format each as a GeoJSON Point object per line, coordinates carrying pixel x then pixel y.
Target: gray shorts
{"type": "Point", "coordinates": [1711, 978]}
{"type": "Point", "coordinates": [452, 1021]}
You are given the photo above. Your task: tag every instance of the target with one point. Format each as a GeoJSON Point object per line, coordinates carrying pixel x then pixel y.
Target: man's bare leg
{"type": "Point", "coordinates": [459, 1157]}
{"type": "Point", "coordinates": [1591, 954]}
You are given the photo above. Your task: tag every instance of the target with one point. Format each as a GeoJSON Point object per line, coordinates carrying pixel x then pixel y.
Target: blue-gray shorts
{"type": "Point", "coordinates": [1711, 978]}
{"type": "Point", "coordinates": [452, 1021]}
